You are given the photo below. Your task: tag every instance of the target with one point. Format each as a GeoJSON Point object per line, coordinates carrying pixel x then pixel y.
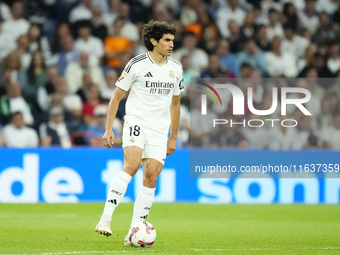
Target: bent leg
{"type": "Point", "coordinates": [151, 170]}
{"type": "Point", "coordinates": [132, 160]}
{"type": "Point", "coordinates": [143, 203]}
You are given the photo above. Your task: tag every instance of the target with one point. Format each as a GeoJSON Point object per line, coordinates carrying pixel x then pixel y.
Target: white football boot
{"type": "Point", "coordinates": [103, 227]}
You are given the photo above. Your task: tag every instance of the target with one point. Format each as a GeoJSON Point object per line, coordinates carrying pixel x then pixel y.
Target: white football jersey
{"type": "Point", "coordinates": [152, 88]}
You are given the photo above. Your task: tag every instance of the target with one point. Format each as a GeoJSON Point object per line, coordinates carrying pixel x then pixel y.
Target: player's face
{"type": "Point", "coordinates": [165, 45]}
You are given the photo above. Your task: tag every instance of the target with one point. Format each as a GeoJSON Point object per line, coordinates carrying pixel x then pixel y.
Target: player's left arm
{"type": "Point", "coordinates": [174, 113]}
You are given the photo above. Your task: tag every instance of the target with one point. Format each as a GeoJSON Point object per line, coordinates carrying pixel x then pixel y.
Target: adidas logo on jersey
{"type": "Point", "coordinates": [148, 75]}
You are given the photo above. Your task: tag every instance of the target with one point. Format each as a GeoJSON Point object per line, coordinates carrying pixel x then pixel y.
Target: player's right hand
{"type": "Point", "coordinates": [108, 138]}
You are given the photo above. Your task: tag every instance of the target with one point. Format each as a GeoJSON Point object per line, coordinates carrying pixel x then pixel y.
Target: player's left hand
{"type": "Point", "coordinates": [171, 146]}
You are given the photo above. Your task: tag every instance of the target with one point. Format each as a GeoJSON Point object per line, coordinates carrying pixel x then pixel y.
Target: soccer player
{"type": "Point", "coordinates": [153, 106]}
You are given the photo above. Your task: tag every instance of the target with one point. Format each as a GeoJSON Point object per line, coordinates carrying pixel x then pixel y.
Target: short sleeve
{"type": "Point", "coordinates": [179, 86]}
{"type": "Point", "coordinates": [127, 77]}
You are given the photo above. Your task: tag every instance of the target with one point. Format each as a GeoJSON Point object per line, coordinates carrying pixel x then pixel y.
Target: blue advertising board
{"type": "Point", "coordinates": [56, 175]}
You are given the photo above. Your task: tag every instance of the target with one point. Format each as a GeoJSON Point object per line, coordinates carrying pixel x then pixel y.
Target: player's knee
{"type": "Point", "coordinates": [151, 178]}
{"type": "Point", "coordinates": [131, 169]}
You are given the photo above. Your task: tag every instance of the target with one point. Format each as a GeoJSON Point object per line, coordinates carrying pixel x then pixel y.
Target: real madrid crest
{"type": "Point", "coordinates": [132, 140]}
{"type": "Point", "coordinates": [171, 74]}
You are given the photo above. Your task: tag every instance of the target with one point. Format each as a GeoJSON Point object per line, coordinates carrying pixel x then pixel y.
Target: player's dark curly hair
{"type": "Point", "coordinates": [156, 30]}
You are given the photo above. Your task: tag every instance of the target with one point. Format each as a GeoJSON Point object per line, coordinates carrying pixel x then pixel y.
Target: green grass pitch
{"type": "Point", "coordinates": [48, 229]}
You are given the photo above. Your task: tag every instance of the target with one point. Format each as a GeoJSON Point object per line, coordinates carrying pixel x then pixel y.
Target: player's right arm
{"type": "Point", "coordinates": [123, 84]}
{"type": "Point", "coordinates": [108, 137]}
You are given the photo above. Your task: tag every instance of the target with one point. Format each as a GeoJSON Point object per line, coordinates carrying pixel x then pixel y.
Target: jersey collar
{"type": "Point", "coordinates": [148, 54]}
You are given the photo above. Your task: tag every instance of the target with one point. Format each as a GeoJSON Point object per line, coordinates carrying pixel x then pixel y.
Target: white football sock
{"type": "Point", "coordinates": [143, 205]}
{"type": "Point", "coordinates": [116, 193]}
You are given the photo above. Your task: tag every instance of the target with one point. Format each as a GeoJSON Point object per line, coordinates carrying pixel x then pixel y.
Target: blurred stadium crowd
{"type": "Point", "coordinates": [60, 60]}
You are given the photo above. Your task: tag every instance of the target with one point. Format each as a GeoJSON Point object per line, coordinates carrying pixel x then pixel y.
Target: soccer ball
{"type": "Point", "coordinates": [142, 235]}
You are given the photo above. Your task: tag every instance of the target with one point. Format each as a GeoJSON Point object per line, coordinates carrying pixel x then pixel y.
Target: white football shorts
{"type": "Point", "coordinates": [153, 143]}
